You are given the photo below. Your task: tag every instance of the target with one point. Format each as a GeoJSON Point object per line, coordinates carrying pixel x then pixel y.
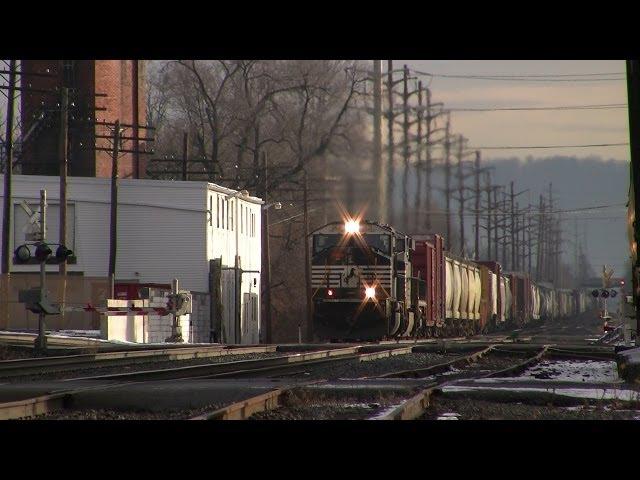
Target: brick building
{"type": "Point", "coordinates": [99, 90]}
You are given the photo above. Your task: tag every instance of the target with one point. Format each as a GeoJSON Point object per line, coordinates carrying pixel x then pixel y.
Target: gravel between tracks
{"type": "Point", "coordinates": [305, 406]}
{"type": "Point", "coordinates": [108, 414]}
{"type": "Point", "coordinates": [371, 368]}
{"type": "Point", "coordinates": [12, 353]}
{"type": "Point", "coordinates": [136, 367]}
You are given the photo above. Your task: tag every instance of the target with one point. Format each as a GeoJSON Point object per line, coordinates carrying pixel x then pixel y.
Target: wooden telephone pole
{"type": "Point", "coordinates": [391, 146]}
{"type": "Point", "coordinates": [633, 95]}
{"type": "Point", "coordinates": [64, 166]}
{"type": "Point", "coordinates": [447, 180]}
{"type": "Point", "coordinates": [378, 165]}
{"type": "Point", "coordinates": [113, 227]}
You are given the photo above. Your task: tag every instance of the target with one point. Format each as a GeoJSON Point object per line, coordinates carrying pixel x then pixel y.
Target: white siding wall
{"type": "Point", "coordinates": [165, 230]}
{"type": "Point", "coordinates": [236, 220]}
{"type": "Point", "coordinates": [158, 242]}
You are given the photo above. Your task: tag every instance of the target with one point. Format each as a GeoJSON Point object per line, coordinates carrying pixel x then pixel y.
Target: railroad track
{"type": "Point", "coordinates": [283, 365]}
{"type": "Point", "coordinates": [415, 406]}
{"type": "Point", "coordinates": [47, 365]}
{"type": "Point", "coordinates": [234, 369]}
{"type": "Point", "coordinates": [412, 407]}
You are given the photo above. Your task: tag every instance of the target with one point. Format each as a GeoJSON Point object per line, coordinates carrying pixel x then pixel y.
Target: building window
{"type": "Point", "coordinates": [241, 218]}
{"type": "Point", "coordinates": [217, 211]}
{"type": "Point", "coordinates": [211, 211]}
{"type": "Point", "coordinates": [224, 205]}
{"type": "Point", "coordinates": [231, 212]}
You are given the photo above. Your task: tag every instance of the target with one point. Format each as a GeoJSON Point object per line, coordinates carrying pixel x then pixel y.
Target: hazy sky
{"type": "Point", "coordinates": [606, 239]}
{"type": "Point", "coordinates": [572, 127]}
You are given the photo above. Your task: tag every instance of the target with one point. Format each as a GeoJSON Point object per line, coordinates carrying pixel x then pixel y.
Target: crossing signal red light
{"type": "Point", "coordinates": [62, 253]}
{"type": "Point", "coordinates": [43, 252]}
{"type": "Point", "coordinates": [22, 254]}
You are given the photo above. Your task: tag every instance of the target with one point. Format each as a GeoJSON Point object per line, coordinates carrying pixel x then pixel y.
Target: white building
{"type": "Point", "coordinates": [165, 230]}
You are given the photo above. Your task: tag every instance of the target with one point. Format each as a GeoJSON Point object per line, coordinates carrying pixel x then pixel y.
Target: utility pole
{"type": "Point", "coordinates": [504, 230]}
{"type": "Point", "coordinates": [551, 234]}
{"type": "Point", "coordinates": [185, 154]}
{"type": "Point", "coordinates": [113, 228]}
{"type": "Point", "coordinates": [516, 235]}
{"type": "Point", "coordinates": [513, 224]}
{"type": "Point", "coordinates": [379, 171]}
{"type": "Point", "coordinates": [489, 212]}
{"type": "Point", "coordinates": [447, 179]}
{"type": "Point", "coordinates": [495, 223]}
{"type": "Point", "coordinates": [8, 171]}
{"type": "Point", "coordinates": [391, 147]}
{"type": "Point", "coordinates": [461, 193]}
{"type": "Point", "coordinates": [529, 250]}
{"type": "Point", "coordinates": [307, 267]}
{"type": "Point", "coordinates": [8, 197]}
{"type": "Point", "coordinates": [64, 166]}
{"type": "Point", "coordinates": [633, 95]}
{"type": "Point", "coordinates": [419, 144]}
{"type": "Point", "coordinates": [540, 240]}
{"type": "Point", "coordinates": [477, 194]}
{"type": "Point", "coordinates": [266, 282]}
{"type": "Point", "coordinates": [405, 146]}
{"type": "Point", "coordinates": [575, 248]}
{"type": "Point", "coordinates": [428, 162]}
{"type": "Point", "coordinates": [41, 339]}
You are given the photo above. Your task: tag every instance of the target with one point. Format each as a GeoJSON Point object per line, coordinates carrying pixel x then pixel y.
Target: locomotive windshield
{"type": "Point", "coordinates": [379, 243]}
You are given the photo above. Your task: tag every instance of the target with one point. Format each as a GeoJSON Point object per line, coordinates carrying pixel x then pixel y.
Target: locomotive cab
{"type": "Point", "coordinates": [358, 292]}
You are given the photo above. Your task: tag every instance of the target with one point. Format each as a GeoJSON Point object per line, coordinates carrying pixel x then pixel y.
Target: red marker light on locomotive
{"type": "Point", "coordinates": [330, 293]}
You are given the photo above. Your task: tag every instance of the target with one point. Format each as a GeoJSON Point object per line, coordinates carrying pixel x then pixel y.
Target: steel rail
{"type": "Point", "coordinates": [440, 367]}
{"type": "Point", "coordinates": [30, 366]}
{"type": "Point", "coordinates": [242, 368]}
{"type": "Point", "coordinates": [243, 409]}
{"type": "Point", "coordinates": [44, 404]}
{"type": "Point", "coordinates": [227, 369]}
{"type": "Point", "coordinates": [415, 406]}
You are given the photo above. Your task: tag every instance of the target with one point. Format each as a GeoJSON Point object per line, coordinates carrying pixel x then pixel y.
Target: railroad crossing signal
{"type": "Point", "coordinates": [604, 293]}
{"type": "Point", "coordinates": [37, 302]}
{"type": "Point", "coordinates": [42, 253]}
{"type": "Point", "coordinates": [32, 229]}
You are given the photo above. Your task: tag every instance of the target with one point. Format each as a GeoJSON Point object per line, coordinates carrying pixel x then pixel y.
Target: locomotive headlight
{"type": "Point", "coordinates": [370, 292]}
{"type": "Point", "coordinates": [352, 226]}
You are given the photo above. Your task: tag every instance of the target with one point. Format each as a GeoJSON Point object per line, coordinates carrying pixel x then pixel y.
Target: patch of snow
{"type": "Point", "coordinates": [573, 371]}
{"type": "Point", "coordinates": [589, 393]}
{"type": "Point", "coordinates": [448, 416]}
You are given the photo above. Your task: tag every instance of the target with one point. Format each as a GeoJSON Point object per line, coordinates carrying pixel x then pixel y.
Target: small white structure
{"type": "Point", "coordinates": [166, 229]}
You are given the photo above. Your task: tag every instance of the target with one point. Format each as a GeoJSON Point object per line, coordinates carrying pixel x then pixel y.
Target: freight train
{"type": "Point", "coordinates": [372, 282]}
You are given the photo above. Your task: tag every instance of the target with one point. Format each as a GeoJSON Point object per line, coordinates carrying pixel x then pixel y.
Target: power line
{"type": "Point", "coordinates": [550, 146]}
{"type": "Point", "coordinates": [564, 107]}
{"type": "Point", "coordinates": [525, 78]}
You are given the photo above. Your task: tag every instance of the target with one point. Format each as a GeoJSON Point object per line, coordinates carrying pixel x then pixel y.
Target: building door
{"type": "Point", "coordinates": [250, 327]}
